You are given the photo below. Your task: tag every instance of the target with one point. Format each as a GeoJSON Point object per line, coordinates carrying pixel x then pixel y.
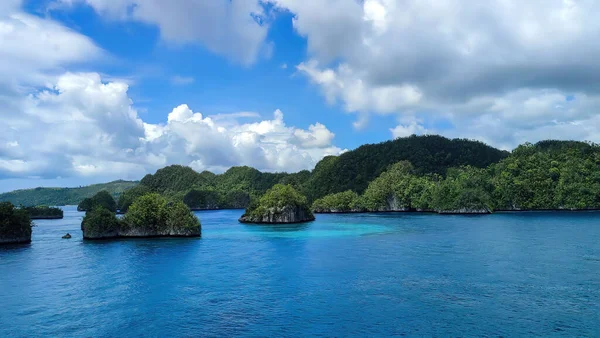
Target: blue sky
{"type": "Point", "coordinates": [96, 90]}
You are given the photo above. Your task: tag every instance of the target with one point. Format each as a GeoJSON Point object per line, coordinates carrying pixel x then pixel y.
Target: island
{"type": "Point", "coordinates": [149, 215]}
{"type": "Point", "coordinates": [44, 212]}
{"type": "Point", "coordinates": [427, 173]}
{"type": "Point", "coordinates": [15, 224]}
{"type": "Point", "coordinates": [101, 199]}
{"type": "Point", "coordinates": [280, 204]}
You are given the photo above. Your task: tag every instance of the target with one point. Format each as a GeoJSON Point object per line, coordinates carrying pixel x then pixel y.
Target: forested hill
{"type": "Point", "coordinates": [352, 170]}
{"type": "Point", "coordinates": [431, 154]}
{"type": "Point", "coordinates": [63, 196]}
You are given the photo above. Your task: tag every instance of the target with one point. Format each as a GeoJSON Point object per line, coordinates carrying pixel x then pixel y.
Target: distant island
{"type": "Point", "coordinates": [44, 212]}
{"type": "Point", "coordinates": [15, 224]}
{"type": "Point", "coordinates": [63, 196]}
{"type": "Point", "coordinates": [413, 174]}
{"type": "Point", "coordinates": [280, 204]}
{"type": "Point", "coordinates": [149, 215]}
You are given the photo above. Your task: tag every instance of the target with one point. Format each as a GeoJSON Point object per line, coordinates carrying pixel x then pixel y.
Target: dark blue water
{"type": "Point", "coordinates": [343, 275]}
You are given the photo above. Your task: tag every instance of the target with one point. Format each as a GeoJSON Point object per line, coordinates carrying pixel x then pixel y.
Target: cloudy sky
{"type": "Point", "coordinates": [95, 90]}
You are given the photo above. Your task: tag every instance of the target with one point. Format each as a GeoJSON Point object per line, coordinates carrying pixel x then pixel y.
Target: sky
{"type": "Point", "coordinates": [97, 90]}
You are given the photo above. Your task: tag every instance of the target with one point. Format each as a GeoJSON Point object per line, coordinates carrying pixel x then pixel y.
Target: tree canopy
{"type": "Point", "coordinates": [102, 199]}
{"type": "Point", "coordinates": [14, 222]}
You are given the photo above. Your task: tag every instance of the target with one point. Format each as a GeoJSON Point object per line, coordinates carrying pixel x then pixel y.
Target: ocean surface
{"type": "Point", "coordinates": [511, 274]}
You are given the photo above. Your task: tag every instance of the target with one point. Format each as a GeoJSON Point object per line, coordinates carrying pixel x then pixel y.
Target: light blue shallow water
{"type": "Point", "coordinates": [343, 275]}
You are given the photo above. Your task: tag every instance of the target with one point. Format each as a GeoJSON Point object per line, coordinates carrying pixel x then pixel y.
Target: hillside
{"type": "Point", "coordinates": [63, 196]}
{"type": "Point", "coordinates": [431, 154]}
{"type": "Point", "coordinates": [234, 188]}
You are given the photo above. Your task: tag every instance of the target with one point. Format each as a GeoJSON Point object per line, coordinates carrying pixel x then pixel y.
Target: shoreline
{"type": "Point", "coordinates": [459, 213]}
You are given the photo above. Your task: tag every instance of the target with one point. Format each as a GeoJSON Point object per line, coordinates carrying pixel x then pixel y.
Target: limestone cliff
{"type": "Point", "coordinates": [287, 214]}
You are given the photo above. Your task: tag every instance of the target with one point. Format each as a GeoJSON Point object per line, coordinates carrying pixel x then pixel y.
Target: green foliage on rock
{"type": "Point", "coordinates": [178, 218]}
{"type": "Point", "coordinates": [43, 212]}
{"type": "Point", "coordinates": [347, 201]}
{"type": "Point", "coordinates": [430, 154]}
{"type": "Point", "coordinates": [399, 189]}
{"type": "Point", "coordinates": [15, 224]}
{"type": "Point", "coordinates": [276, 199]}
{"type": "Point", "coordinates": [202, 199]}
{"type": "Point", "coordinates": [101, 199]}
{"type": "Point", "coordinates": [63, 196]}
{"type": "Point", "coordinates": [548, 175]}
{"type": "Point", "coordinates": [465, 190]}
{"type": "Point", "coordinates": [127, 197]}
{"type": "Point", "coordinates": [153, 214]}
{"type": "Point", "coordinates": [100, 223]}
{"type": "Point", "coordinates": [146, 212]}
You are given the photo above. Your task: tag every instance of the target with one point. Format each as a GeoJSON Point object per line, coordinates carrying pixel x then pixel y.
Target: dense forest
{"type": "Point", "coordinates": [43, 212]}
{"type": "Point", "coordinates": [63, 196]}
{"type": "Point", "coordinates": [352, 170]}
{"type": "Point", "coordinates": [549, 175]}
{"type": "Point", "coordinates": [15, 224]}
{"type": "Point", "coordinates": [427, 173]}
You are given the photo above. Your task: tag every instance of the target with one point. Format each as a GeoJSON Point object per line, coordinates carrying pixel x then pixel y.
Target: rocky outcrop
{"type": "Point", "coordinates": [337, 211]}
{"type": "Point", "coordinates": [287, 214]}
{"type": "Point", "coordinates": [128, 232]}
{"type": "Point", "coordinates": [466, 211]}
{"type": "Point", "coordinates": [16, 240]}
{"type": "Point", "coordinates": [173, 232]}
{"type": "Point", "coordinates": [67, 236]}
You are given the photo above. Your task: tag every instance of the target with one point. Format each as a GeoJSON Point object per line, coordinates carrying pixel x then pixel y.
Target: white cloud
{"type": "Point", "coordinates": [433, 57]}
{"type": "Point", "coordinates": [408, 126]}
{"type": "Point", "coordinates": [236, 29]}
{"type": "Point", "coordinates": [82, 126]}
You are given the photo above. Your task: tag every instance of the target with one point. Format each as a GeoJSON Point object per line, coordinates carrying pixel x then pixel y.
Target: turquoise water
{"type": "Point", "coordinates": [343, 275]}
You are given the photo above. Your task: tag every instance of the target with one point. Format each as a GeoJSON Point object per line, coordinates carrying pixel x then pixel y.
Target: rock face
{"type": "Point", "coordinates": [128, 232]}
{"type": "Point", "coordinates": [172, 232]}
{"type": "Point", "coordinates": [466, 211]}
{"type": "Point", "coordinates": [287, 214]}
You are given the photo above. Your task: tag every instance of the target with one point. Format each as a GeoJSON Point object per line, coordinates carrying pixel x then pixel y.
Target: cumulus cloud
{"type": "Point", "coordinates": [236, 29]}
{"type": "Point", "coordinates": [82, 126]}
{"type": "Point", "coordinates": [447, 57]}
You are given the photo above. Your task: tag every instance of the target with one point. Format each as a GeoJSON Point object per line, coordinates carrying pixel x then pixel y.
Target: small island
{"type": "Point", "coordinates": [44, 212]}
{"type": "Point", "coordinates": [148, 216]}
{"type": "Point", "coordinates": [279, 205]}
{"type": "Point", "coordinates": [15, 224]}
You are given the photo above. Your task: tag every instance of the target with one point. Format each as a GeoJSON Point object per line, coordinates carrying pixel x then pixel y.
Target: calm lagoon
{"type": "Point", "coordinates": [509, 274]}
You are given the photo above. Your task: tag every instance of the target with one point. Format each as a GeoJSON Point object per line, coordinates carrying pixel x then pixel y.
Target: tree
{"type": "Point", "coordinates": [14, 223]}
{"type": "Point", "coordinates": [100, 223]}
{"type": "Point", "coordinates": [146, 212]}
{"type": "Point", "coordinates": [128, 196]}
{"type": "Point", "coordinates": [100, 199]}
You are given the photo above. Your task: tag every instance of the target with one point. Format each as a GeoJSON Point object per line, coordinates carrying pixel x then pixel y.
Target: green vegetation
{"type": "Point", "coordinates": [152, 214]}
{"type": "Point", "coordinates": [43, 212]}
{"type": "Point", "coordinates": [101, 199]}
{"type": "Point", "coordinates": [15, 224]}
{"type": "Point", "coordinates": [465, 189]}
{"type": "Point", "coordinates": [428, 173]}
{"type": "Point", "coordinates": [399, 189]}
{"type": "Point", "coordinates": [280, 204]}
{"type": "Point", "coordinates": [429, 154]}
{"type": "Point", "coordinates": [63, 196]}
{"type": "Point", "coordinates": [149, 215]}
{"type": "Point", "coordinates": [549, 175]}
{"type": "Point", "coordinates": [128, 196]}
{"type": "Point", "coordinates": [100, 223]}
{"type": "Point", "coordinates": [347, 201]}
